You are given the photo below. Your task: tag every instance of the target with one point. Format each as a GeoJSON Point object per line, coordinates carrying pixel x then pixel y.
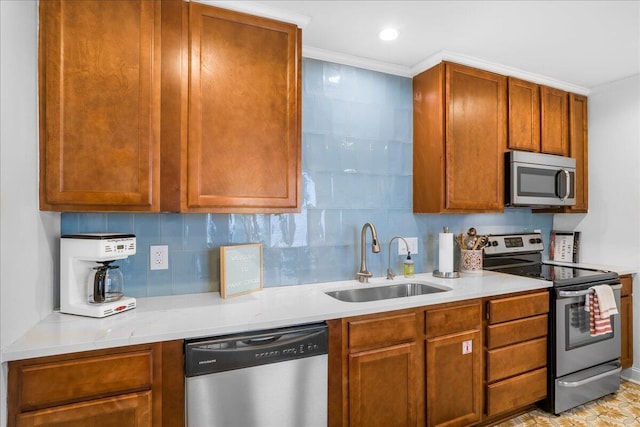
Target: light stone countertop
{"type": "Point", "coordinates": [206, 314]}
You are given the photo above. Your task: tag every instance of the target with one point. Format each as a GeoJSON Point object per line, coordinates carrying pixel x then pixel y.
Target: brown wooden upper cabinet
{"type": "Point", "coordinates": [524, 115]}
{"type": "Point", "coordinates": [168, 106]}
{"type": "Point", "coordinates": [235, 144]}
{"type": "Point", "coordinates": [460, 135]}
{"type": "Point", "coordinates": [99, 82]}
{"type": "Point", "coordinates": [579, 147]}
{"type": "Point", "coordinates": [538, 118]}
{"type": "Point", "coordinates": [554, 119]}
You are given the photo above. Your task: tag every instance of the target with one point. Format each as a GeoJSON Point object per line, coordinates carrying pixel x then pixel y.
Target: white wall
{"type": "Point", "coordinates": [27, 236]}
{"type": "Point", "coordinates": [611, 229]}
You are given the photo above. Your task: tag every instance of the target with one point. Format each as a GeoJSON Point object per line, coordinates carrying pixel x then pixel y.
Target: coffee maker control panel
{"type": "Point", "coordinates": [101, 246]}
{"type": "Point", "coordinates": [126, 246]}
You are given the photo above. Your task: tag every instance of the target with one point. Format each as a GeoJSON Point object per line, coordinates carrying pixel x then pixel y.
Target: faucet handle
{"type": "Point", "coordinates": [363, 276]}
{"type": "Point", "coordinates": [390, 274]}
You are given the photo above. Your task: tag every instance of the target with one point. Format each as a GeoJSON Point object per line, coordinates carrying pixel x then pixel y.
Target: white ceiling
{"type": "Point", "coordinates": [583, 43]}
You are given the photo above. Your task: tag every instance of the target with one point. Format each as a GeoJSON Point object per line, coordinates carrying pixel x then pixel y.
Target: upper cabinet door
{"type": "Point", "coordinates": [99, 105]}
{"type": "Point", "coordinates": [578, 124]}
{"type": "Point", "coordinates": [459, 140]}
{"type": "Point", "coordinates": [476, 133]}
{"type": "Point", "coordinates": [524, 115]}
{"type": "Point", "coordinates": [243, 150]}
{"type": "Point", "coordinates": [554, 121]}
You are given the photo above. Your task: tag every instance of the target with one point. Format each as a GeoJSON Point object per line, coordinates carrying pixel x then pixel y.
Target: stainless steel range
{"type": "Point", "coordinates": [581, 367]}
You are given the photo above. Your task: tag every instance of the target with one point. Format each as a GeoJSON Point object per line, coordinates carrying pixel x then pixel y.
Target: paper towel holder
{"type": "Point", "coordinates": [448, 274]}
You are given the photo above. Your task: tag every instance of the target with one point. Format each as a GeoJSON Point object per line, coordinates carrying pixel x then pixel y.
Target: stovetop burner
{"type": "Point", "coordinates": [521, 255]}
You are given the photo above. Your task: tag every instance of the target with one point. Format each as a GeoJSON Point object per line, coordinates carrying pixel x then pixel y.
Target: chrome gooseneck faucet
{"type": "Point", "coordinates": [363, 275]}
{"type": "Point", "coordinates": [390, 274]}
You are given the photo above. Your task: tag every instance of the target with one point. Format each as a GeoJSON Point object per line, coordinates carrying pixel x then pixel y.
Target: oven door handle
{"type": "Point", "coordinates": [590, 379]}
{"type": "Point", "coordinates": [569, 294]}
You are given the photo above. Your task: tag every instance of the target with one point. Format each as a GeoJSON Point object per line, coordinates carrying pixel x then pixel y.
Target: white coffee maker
{"type": "Point", "coordinates": [89, 284]}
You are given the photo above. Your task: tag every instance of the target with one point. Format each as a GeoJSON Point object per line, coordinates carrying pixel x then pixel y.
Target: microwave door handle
{"type": "Point", "coordinates": [567, 184]}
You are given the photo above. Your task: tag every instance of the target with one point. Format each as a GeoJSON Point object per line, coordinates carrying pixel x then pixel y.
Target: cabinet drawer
{"type": "Point", "coordinates": [516, 331]}
{"type": "Point", "coordinates": [382, 331]}
{"type": "Point", "coordinates": [455, 319]}
{"type": "Point", "coordinates": [515, 359]}
{"type": "Point", "coordinates": [516, 392]}
{"type": "Point", "coordinates": [53, 383]}
{"type": "Point", "coordinates": [505, 309]}
{"type": "Point", "coordinates": [131, 410]}
{"type": "Point", "coordinates": [627, 285]}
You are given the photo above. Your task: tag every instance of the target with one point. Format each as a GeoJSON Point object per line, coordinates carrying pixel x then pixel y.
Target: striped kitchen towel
{"type": "Point", "coordinates": [601, 305]}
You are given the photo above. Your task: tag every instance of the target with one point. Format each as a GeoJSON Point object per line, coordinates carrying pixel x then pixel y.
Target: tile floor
{"type": "Point", "coordinates": [615, 410]}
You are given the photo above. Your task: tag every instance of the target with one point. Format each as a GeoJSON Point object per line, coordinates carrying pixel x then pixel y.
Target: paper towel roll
{"type": "Point", "coordinates": [445, 250]}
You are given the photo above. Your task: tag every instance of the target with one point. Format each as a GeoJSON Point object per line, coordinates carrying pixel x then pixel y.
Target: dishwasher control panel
{"type": "Point", "coordinates": [225, 353]}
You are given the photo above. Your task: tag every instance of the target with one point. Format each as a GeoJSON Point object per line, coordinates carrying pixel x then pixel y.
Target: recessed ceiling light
{"type": "Point", "coordinates": [388, 34]}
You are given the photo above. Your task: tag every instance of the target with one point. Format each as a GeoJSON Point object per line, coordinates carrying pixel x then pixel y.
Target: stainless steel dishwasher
{"type": "Point", "coordinates": [271, 378]}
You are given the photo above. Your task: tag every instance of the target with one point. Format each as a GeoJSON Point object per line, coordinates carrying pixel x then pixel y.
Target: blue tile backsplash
{"type": "Point", "coordinates": [356, 168]}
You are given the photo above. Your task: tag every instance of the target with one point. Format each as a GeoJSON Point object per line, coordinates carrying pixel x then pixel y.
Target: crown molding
{"type": "Point", "coordinates": [355, 61]}
{"type": "Point", "coordinates": [385, 67]}
{"type": "Point", "coordinates": [256, 8]}
{"type": "Point", "coordinates": [505, 70]}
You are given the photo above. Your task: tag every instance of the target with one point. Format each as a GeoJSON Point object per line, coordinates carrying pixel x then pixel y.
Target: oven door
{"type": "Point", "coordinates": [576, 349]}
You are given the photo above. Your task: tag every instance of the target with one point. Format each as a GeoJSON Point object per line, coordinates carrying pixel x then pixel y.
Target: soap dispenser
{"type": "Point", "coordinates": [409, 267]}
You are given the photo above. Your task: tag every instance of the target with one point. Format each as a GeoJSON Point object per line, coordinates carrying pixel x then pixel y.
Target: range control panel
{"type": "Point", "coordinates": [514, 243]}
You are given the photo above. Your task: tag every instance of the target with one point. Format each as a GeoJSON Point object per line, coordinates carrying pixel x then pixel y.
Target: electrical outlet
{"type": "Point", "coordinates": [159, 257]}
{"type": "Point", "coordinates": [413, 245]}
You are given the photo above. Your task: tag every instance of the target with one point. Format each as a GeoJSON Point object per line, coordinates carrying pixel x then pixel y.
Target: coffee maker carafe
{"type": "Point", "coordinates": [106, 283]}
{"type": "Point", "coordinates": [90, 283]}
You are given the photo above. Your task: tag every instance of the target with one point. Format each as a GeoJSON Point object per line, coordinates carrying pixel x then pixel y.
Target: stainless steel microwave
{"type": "Point", "coordinates": [538, 180]}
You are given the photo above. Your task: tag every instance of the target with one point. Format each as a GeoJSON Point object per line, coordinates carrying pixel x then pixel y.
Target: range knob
{"type": "Point", "coordinates": [494, 243]}
{"type": "Point", "coordinates": [534, 241]}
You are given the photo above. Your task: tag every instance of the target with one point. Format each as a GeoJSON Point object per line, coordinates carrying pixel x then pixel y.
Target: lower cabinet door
{"type": "Point", "coordinates": [626, 322]}
{"type": "Point", "coordinates": [131, 410]}
{"type": "Point", "coordinates": [383, 387]}
{"type": "Point", "coordinates": [454, 379]}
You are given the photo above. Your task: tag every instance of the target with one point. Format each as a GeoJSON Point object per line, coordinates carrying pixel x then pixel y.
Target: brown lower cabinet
{"type": "Point", "coordinates": [467, 363]}
{"type": "Point", "coordinates": [626, 321]}
{"type": "Point", "coordinates": [382, 386]}
{"type": "Point", "coordinates": [137, 386]}
{"type": "Point", "coordinates": [132, 410]}
{"type": "Point", "coordinates": [408, 368]}
{"type": "Point", "coordinates": [376, 373]}
{"type": "Point", "coordinates": [454, 364]}
{"type": "Point", "coordinates": [516, 353]}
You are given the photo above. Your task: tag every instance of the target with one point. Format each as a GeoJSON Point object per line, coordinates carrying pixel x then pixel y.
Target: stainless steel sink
{"type": "Point", "coordinates": [386, 292]}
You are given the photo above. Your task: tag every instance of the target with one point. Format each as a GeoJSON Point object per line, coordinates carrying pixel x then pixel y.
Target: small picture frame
{"type": "Point", "coordinates": [240, 269]}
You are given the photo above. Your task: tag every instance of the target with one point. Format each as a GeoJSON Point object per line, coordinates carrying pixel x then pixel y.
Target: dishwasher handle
{"type": "Point", "coordinates": [218, 354]}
